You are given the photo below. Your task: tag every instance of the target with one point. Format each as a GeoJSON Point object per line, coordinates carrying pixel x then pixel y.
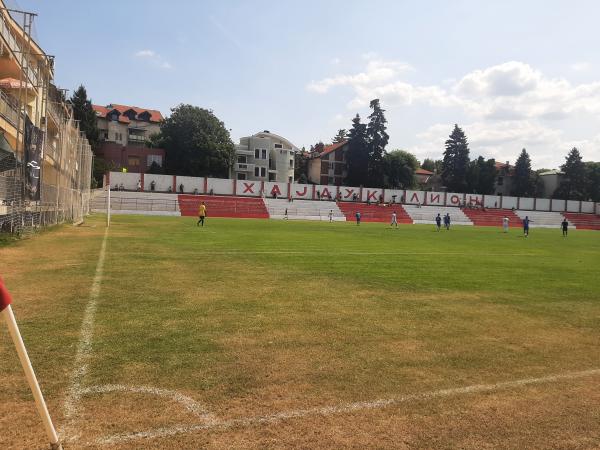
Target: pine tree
{"type": "Point", "coordinates": [377, 140]}
{"type": "Point", "coordinates": [83, 111]}
{"type": "Point", "coordinates": [573, 185]}
{"type": "Point", "coordinates": [456, 161]}
{"type": "Point", "coordinates": [523, 185]}
{"type": "Point", "coordinates": [357, 157]}
{"type": "Point", "coordinates": [340, 136]}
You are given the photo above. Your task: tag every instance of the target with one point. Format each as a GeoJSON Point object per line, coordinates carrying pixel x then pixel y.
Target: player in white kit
{"type": "Point", "coordinates": [394, 220]}
{"type": "Point", "coordinates": [505, 224]}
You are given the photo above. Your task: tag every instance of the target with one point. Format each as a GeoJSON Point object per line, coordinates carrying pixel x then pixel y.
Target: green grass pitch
{"type": "Point", "coordinates": [253, 318]}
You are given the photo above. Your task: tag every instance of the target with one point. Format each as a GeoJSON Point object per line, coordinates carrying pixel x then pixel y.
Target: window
{"type": "Point", "coordinates": [291, 163]}
{"type": "Point", "coordinates": [500, 181]}
{"type": "Point", "coordinates": [241, 159]}
{"type": "Point", "coordinates": [154, 159]}
{"type": "Point", "coordinates": [263, 171]}
{"type": "Point", "coordinates": [256, 153]}
{"type": "Point", "coordinates": [114, 117]}
{"type": "Point", "coordinates": [241, 176]}
{"type": "Point", "coordinates": [291, 179]}
{"type": "Point", "coordinates": [133, 161]}
{"type": "Point", "coordinates": [264, 153]}
{"type": "Point", "coordinates": [256, 171]}
{"type": "Point", "coordinates": [278, 146]}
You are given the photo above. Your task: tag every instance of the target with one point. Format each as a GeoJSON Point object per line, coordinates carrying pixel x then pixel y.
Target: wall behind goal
{"type": "Point", "coordinates": [219, 186]}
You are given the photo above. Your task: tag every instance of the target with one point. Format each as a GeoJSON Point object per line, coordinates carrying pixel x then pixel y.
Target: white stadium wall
{"type": "Point", "coordinates": [219, 186]}
{"type": "Point", "coordinates": [325, 191]}
{"type": "Point", "coordinates": [309, 192]}
{"type": "Point", "coordinates": [454, 199]}
{"type": "Point", "coordinates": [276, 188]}
{"type": "Point", "coordinates": [302, 191]}
{"type": "Point", "coordinates": [190, 184]}
{"type": "Point", "coordinates": [347, 193]}
{"type": "Point", "coordinates": [434, 198]}
{"type": "Point", "coordinates": [542, 204]}
{"type": "Point", "coordinates": [526, 203]}
{"type": "Point", "coordinates": [162, 183]}
{"type": "Point", "coordinates": [129, 180]}
{"type": "Point", "coordinates": [248, 188]}
{"type": "Point", "coordinates": [573, 205]}
{"type": "Point", "coordinates": [587, 207]}
{"type": "Point", "coordinates": [510, 202]}
{"type": "Point", "coordinates": [371, 194]}
{"type": "Point", "coordinates": [557, 205]}
{"type": "Point", "coordinates": [414, 197]}
{"type": "Point", "coordinates": [492, 201]}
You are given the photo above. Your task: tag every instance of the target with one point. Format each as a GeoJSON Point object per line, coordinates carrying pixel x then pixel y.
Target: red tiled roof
{"type": "Point", "coordinates": [101, 111]}
{"type": "Point", "coordinates": [331, 148]}
{"type": "Point", "coordinates": [155, 116]}
{"type": "Point", "coordinates": [423, 172]}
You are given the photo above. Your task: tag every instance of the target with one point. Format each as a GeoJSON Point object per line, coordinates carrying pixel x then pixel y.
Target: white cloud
{"type": "Point", "coordinates": [581, 66]}
{"type": "Point", "coordinates": [335, 61]}
{"type": "Point", "coordinates": [153, 58]}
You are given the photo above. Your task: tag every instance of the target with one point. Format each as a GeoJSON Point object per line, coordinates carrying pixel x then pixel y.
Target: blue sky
{"type": "Point", "coordinates": [513, 74]}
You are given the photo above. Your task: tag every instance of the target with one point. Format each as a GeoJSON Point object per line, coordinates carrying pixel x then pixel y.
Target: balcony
{"type": "Point", "coordinates": [8, 109]}
{"type": "Point", "coordinates": [13, 43]}
{"type": "Point", "coordinates": [137, 138]}
{"type": "Point", "coordinates": [244, 151]}
{"type": "Point", "coordinates": [244, 167]}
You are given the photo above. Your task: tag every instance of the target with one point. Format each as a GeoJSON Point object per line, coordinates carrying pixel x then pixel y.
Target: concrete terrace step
{"type": "Point", "coordinates": [303, 209]}
{"type": "Point", "coordinates": [583, 221]}
{"type": "Point", "coordinates": [542, 219]}
{"type": "Point", "coordinates": [427, 214]}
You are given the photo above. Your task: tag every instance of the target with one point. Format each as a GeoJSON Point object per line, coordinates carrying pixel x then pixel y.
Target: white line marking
{"type": "Point", "coordinates": [84, 348]}
{"type": "Point", "coordinates": [324, 253]}
{"type": "Point", "coordinates": [188, 402]}
{"type": "Point", "coordinates": [335, 409]}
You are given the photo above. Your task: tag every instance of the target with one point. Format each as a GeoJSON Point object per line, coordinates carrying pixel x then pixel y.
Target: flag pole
{"type": "Point", "coordinates": [40, 404]}
{"type": "Point", "coordinates": [108, 208]}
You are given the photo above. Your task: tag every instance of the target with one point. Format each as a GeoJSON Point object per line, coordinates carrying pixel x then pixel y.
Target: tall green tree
{"type": "Point", "coordinates": [592, 170]}
{"type": "Point", "coordinates": [523, 183]}
{"type": "Point", "coordinates": [301, 166]}
{"type": "Point", "coordinates": [340, 136]}
{"type": "Point", "coordinates": [481, 176]}
{"type": "Point", "coordinates": [357, 156]}
{"type": "Point", "coordinates": [456, 161]}
{"type": "Point", "coordinates": [377, 139]}
{"type": "Point", "coordinates": [85, 114]}
{"type": "Point", "coordinates": [196, 143]}
{"type": "Point", "coordinates": [573, 184]}
{"type": "Point", "coordinates": [399, 169]}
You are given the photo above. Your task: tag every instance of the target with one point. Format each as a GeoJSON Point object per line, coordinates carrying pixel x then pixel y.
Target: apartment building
{"type": "Point", "coordinates": [124, 135]}
{"type": "Point", "coordinates": [264, 156]}
{"type": "Point", "coordinates": [329, 165]}
{"type": "Point", "coordinates": [45, 161]}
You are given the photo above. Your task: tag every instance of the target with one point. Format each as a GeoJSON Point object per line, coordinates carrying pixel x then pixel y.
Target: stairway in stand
{"type": "Point", "coordinates": [217, 206]}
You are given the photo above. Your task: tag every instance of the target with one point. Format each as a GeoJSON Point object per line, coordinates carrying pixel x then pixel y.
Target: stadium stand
{"type": "Point", "coordinates": [426, 214]}
{"type": "Point", "coordinates": [491, 217]}
{"type": "Point", "coordinates": [542, 219]}
{"type": "Point", "coordinates": [303, 209]}
{"type": "Point", "coordinates": [374, 213]}
{"type": "Point", "coordinates": [583, 221]}
{"type": "Point", "coordinates": [221, 206]}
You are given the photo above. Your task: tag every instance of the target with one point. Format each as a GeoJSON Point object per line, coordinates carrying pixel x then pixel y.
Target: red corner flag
{"type": "Point", "coordinates": [5, 298]}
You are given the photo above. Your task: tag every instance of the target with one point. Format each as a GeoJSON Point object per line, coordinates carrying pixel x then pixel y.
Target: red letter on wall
{"type": "Point", "coordinates": [249, 187]}
{"type": "Point", "coordinates": [303, 193]}
{"type": "Point", "coordinates": [349, 193]}
{"type": "Point", "coordinates": [275, 190]}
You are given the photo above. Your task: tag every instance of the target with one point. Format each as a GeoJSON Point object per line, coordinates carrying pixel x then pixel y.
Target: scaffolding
{"type": "Point", "coordinates": [45, 160]}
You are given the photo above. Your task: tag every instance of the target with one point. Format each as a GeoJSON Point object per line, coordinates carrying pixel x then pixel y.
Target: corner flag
{"type": "Point", "coordinates": [13, 329]}
{"type": "Point", "coordinates": [5, 298]}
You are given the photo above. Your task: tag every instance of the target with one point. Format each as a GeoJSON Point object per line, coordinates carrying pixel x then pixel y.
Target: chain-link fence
{"type": "Point", "coordinates": [45, 161]}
